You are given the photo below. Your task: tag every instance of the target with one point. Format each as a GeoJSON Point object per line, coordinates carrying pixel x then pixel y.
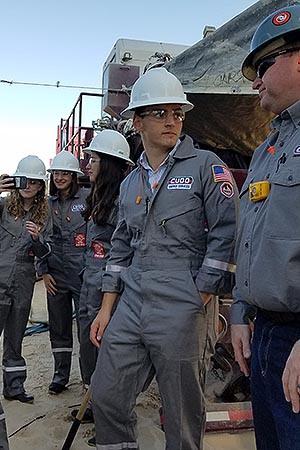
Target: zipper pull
{"type": "Point", "coordinates": [138, 199]}
{"type": "Point", "coordinates": [163, 225]}
{"type": "Point", "coordinates": [147, 205]}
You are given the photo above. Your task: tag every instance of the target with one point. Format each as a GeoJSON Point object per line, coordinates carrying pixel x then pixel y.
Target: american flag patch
{"type": "Point", "coordinates": [221, 173]}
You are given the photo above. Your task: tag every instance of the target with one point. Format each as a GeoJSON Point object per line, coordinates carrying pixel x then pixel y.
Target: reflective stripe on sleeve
{"type": "Point", "coordinates": [114, 268]}
{"type": "Point", "coordinates": [49, 250]}
{"type": "Point", "coordinates": [14, 369]}
{"type": "Point", "coordinates": [62, 349]}
{"type": "Point", "coordinates": [120, 446]}
{"type": "Point", "coordinates": [2, 416]}
{"type": "Point", "coordinates": [227, 267]}
{"type": "Point", "coordinates": [47, 253]}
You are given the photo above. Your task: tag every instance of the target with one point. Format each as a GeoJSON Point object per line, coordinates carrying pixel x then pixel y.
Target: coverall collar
{"type": "Point", "coordinates": [292, 113]}
{"type": "Point", "coordinates": [56, 196]}
{"type": "Point", "coordinates": [185, 149]}
{"type": "Point", "coordinates": [143, 159]}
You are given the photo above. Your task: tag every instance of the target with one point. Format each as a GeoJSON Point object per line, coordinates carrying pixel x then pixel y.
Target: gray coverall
{"type": "Point", "coordinates": [268, 278]}
{"type": "Point", "coordinates": [95, 258]}
{"type": "Point", "coordinates": [3, 433]}
{"type": "Point", "coordinates": [65, 264]}
{"type": "Point", "coordinates": [17, 278]}
{"type": "Point", "coordinates": [167, 247]}
{"type": "Point", "coordinates": [268, 275]}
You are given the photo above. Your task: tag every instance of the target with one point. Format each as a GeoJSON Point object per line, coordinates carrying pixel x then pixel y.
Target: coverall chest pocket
{"type": "Point", "coordinates": [10, 225]}
{"type": "Point", "coordinates": [134, 216]}
{"type": "Point", "coordinates": [283, 218]}
{"type": "Point", "coordinates": [78, 224]}
{"type": "Point", "coordinates": [182, 220]}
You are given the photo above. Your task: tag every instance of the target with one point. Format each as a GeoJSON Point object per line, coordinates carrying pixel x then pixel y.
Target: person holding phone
{"type": "Point", "coordinates": [16, 181]}
{"type": "Point", "coordinates": [24, 234]}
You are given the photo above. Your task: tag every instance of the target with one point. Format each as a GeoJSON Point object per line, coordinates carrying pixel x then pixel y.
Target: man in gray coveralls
{"type": "Point", "coordinates": [268, 252]}
{"type": "Point", "coordinates": [171, 255]}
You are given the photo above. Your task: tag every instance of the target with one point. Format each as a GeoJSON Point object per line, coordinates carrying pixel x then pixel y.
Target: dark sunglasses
{"type": "Point", "coordinates": [269, 61]}
{"type": "Point", "coordinates": [265, 65]}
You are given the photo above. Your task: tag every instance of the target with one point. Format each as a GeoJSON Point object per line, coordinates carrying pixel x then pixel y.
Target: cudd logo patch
{"type": "Point", "coordinates": [181, 182]}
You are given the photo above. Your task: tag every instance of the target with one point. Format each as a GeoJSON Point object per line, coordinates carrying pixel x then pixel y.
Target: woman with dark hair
{"type": "Point", "coordinates": [24, 235]}
{"type": "Point", "coordinates": [61, 270]}
{"type": "Point", "coordinates": [107, 167]}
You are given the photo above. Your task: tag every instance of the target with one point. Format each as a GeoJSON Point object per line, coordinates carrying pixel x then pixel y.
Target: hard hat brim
{"type": "Point", "coordinates": [128, 112]}
{"type": "Point", "coordinates": [89, 150]}
{"type": "Point", "coordinates": [31, 177]}
{"type": "Point", "coordinates": [250, 62]}
{"type": "Point", "coordinates": [248, 69]}
{"type": "Point", "coordinates": [79, 172]}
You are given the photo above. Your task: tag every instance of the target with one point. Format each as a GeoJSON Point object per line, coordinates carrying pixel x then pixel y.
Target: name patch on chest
{"type": "Point", "coordinates": [78, 208]}
{"type": "Point", "coordinates": [297, 151]}
{"type": "Point", "coordinates": [184, 182]}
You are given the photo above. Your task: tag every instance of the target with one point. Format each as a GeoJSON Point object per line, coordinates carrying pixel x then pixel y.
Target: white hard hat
{"type": "Point", "coordinates": [110, 142]}
{"type": "Point", "coordinates": [156, 87]}
{"type": "Point", "coordinates": [65, 161]}
{"type": "Point", "coordinates": [31, 167]}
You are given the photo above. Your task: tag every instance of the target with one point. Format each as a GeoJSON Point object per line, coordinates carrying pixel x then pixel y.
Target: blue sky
{"type": "Point", "coordinates": [68, 41]}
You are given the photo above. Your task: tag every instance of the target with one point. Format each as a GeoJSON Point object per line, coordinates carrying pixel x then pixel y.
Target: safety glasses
{"type": "Point", "coordinates": [269, 61]}
{"type": "Point", "coordinates": [31, 182]}
{"type": "Point", "coordinates": [62, 173]}
{"type": "Point", "coordinates": [160, 114]}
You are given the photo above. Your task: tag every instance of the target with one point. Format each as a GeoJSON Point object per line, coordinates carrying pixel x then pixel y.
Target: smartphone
{"type": "Point", "coordinates": [18, 182]}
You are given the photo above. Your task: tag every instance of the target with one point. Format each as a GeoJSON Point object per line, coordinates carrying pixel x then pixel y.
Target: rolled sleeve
{"type": "Point", "coordinates": [112, 281]}
{"type": "Point", "coordinates": [214, 281]}
{"type": "Point", "coordinates": [41, 249]}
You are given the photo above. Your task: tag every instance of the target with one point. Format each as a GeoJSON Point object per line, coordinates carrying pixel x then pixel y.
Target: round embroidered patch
{"type": "Point", "coordinates": [227, 190]}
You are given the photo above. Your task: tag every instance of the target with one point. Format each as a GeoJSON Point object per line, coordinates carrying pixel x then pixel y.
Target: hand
{"type": "Point", "coordinates": [99, 325]}
{"type": "Point", "coordinates": [6, 183]}
{"type": "Point", "coordinates": [240, 338]}
{"type": "Point", "coordinates": [291, 378]}
{"type": "Point", "coordinates": [50, 283]}
{"type": "Point", "coordinates": [205, 297]}
{"type": "Point", "coordinates": [33, 230]}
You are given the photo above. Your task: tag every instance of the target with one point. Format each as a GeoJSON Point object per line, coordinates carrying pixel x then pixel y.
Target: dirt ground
{"type": "Point", "coordinates": [45, 424]}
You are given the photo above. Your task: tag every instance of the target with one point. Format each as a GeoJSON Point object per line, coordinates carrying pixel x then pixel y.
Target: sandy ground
{"type": "Point", "coordinates": [45, 424]}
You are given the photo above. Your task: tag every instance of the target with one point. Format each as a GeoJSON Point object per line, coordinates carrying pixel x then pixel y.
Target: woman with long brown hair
{"type": "Point", "coordinates": [107, 167]}
{"type": "Point", "coordinates": [24, 235]}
